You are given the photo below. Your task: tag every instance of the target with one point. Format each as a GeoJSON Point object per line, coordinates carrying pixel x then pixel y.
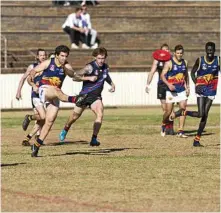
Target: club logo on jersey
{"type": "Point", "coordinates": [52, 67]}
{"type": "Point", "coordinates": [61, 72]}
{"type": "Point", "coordinates": [204, 67]}
{"type": "Point", "coordinates": [96, 72]}
{"type": "Point", "coordinates": [175, 67]}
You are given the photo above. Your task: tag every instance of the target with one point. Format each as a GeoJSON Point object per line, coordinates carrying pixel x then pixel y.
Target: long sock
{"type": "Point", "coordinates": [72, 99]}
{"type": "Point", "coordinates": [163, 127]}
{"type": "Point", "coordinates": [38, 142]}
{"type": "Point", "coordinates": [29, 136]}
{"type": "Point", "coordinates": [192, 113]}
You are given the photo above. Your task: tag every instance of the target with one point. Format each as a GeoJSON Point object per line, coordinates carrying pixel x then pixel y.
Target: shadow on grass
{"type": "Point", "coordinates": [194, 132]}
{"type": "Point", "coordinates": [66, 143]}
{"type": "Point", "coordinates": [213, 145]}
{"type": "Point", "coordinates": [11, 164]}
{"type": "Point", "coordinates": [96, 151]}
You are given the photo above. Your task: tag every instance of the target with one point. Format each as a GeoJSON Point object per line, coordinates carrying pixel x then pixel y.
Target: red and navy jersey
{"type": "Point", "coordinates": [53, 75]}
{"type": "Point", "coordinates": [96, 88]}
{"type": "Point", "coordinates": [207, 76]}
{"type": "Point", "coordinates": [176, 75]}
{"type": "Point", "coordinates": [36, 81]}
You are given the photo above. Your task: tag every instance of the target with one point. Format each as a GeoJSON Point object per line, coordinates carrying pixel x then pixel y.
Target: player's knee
{"type": "Point", "coordinates": [201, 114]}
{"type": "Point", "coordinates": [42, 116]}
{"type": "Point", "coordinates": [99, 117]}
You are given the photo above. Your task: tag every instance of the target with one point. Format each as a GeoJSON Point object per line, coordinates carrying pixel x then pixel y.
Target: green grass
{"type": "Point", "coordinates": [134, 169]}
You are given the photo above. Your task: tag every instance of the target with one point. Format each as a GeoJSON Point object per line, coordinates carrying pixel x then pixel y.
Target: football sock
{"type": "Point", "coordinates": [72, 99]}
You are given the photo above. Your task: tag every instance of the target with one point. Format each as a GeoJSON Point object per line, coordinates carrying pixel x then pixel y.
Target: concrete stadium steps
{"type": "Point", "coordinates": [110, 39]}
{"type": "Point", "coordinates": [115, 23]}
{"type": "Point", "coordinates": [212, 9]}
{"type": "Point", "coordinates": [113, 3]}
{"type": "Point", "coordinates": [114, 68]}
{"type": "Point", "coordinates": [129, 57]}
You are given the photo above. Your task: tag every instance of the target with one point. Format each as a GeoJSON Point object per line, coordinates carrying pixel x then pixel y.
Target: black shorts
{"type": "Point", "coordinates": [161, 91]}
{"type": "Point", "coordinates": [90, 99]}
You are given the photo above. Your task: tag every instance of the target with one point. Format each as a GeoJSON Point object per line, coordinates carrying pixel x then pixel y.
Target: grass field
{"type": "Point", "coordinates": [134, 169]}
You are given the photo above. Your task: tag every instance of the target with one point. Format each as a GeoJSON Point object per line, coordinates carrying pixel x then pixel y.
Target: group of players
{"type": "Point", "coordinates": [46, 78]}
{"type": "Point", "coordinates": [173, 86]}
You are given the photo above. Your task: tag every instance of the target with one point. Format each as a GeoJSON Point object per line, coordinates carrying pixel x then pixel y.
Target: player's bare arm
{"type": "Point", "coordinates": [186, 85]}
{"type": "Point", "coordinates": [166, 68]}
{"type": "Point", "coordinates": [80, 75]}
{"type": "Point", "coordinates": [31, 83]}
{"type": "Point", "coordinates": [194, 70]}
{"type": "Point", "coordinates": [21, 83]}
{"type": "Point", "coordinates": [150, 75]}
{"type": "Point", "coordinates": [40, 68]}
{"type": "Point", "coordinates": [111, 83]}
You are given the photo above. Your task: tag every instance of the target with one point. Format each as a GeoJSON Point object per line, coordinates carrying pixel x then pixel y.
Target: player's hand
{"type": "Point", "coordinates": [171, 87]}
{"type": "Point", "coordinates": [112, 89]}
{"type": "Point", "coordinates": [147, 89]}
{"type": "Point", "coordinates": [35, 89]}
{"type": "Point", "coordinates": [18, 96]}
{"type": "Point", "coordinates": [93, 78]}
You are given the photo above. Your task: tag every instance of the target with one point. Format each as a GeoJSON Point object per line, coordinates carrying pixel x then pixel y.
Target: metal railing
{"type": "Point", "coordinates": [5, 50]}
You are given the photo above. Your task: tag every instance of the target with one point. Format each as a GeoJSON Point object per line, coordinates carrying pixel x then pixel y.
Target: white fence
{"type": "Point", "coordinates": [130, 91]}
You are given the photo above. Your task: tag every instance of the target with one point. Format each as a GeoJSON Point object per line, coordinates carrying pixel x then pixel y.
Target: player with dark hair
{"type": "Point", "coordinates": [36, 104]}
{"type": "Point", "coordinates": [54, 71]}
{"type": "Point", "coordinates": [93, 88]}
{"type": "Point", "coordinates": [158, 64]}
{"type": "Point", "coordinates": [175, 76]}
{"type": "Point", "coordinates": [205, 77]}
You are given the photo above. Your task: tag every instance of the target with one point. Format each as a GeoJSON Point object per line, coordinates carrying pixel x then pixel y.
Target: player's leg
{"type": "Point", "coordinates": [50, 93]}
{"type": "Point", "coordinates": [167, 113]}
{"type": "Point", "coordinates": [77, 112]}
{"type": "Point", "coordinates": [161, 95]}
{"type": "Point", "coordinates": [206, 107]}
{"type": "Point", "coordinates": [180, 133]}
{"type": "Point", "coordinates": [28, 118]}
{"type": "Point", "coordinates": [197, 114]}
{"type": "Point", "coordinates": [98, 109]}
{"type": "Point", "coordinates": [40, 111]}
{"type": "Point", "coordinates": [51, 114]}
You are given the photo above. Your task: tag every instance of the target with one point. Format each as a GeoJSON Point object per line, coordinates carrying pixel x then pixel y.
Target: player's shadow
{"type": "Point", "coordinates": [193, 133]}
{"type": "Point", "coordinates": [66, 143]}
{"type": "Point", "coordinates": [11, 164]}
{"type": "Point", "coordinates": [96, 151]}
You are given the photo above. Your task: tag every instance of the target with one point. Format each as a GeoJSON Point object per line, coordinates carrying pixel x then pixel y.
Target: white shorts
{"type": "Point", "coordinates": [210, 97]}
{"type": "Point", "coordinates": [37, 102]}
{"type": "Point", "coordinates": [173, 97]}
{"type": "Point", "coordinates": [42, 90]}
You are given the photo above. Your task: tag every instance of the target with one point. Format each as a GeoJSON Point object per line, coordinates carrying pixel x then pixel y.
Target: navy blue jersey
{"type": "Point", "coordinates": [176, 75]}
{"type": "Point", "coordinates": [96, 88]}
{"type": "Point", "coordinates": [53, 75]}
{"type": "Point", "coordinates": [207, 77]}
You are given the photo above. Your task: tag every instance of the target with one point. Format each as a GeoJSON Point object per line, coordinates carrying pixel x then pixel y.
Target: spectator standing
{"type": "Point", "coordinates": [74, 28]}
